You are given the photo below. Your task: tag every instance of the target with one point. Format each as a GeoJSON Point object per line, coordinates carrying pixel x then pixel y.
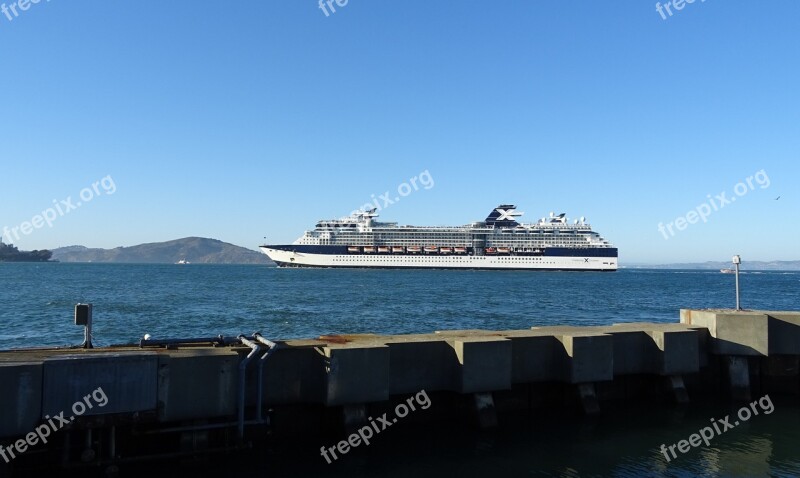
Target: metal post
{"type": "Point", "coordinates": [255, 349]}
{"type": "Point", "coordinates": [83, 316]}
{"type": "Point", "coordinates": [736, 261]}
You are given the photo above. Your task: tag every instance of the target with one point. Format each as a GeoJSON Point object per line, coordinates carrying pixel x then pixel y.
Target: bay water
{"type": "Point", "coordinates": [171, 301]}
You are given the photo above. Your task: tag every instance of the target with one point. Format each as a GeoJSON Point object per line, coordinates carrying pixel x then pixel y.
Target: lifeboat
{"type": "Point", "coordinates": [431, 248]}
{"type": "Point", "coordinates": [369, 249]}
{"type": "Point", "coordinates": [414, 249]}
{"type": "Point", "coordinates": [461, 250]}
{"type": "Point", "coordinates": [491, 250]}
{"type": "Point", "coordinates": [503, 250]}
{"type": "Point", "coordinates": [384, 249]}
{"type": "Point", "coordinates": [353, 249]}
{"type": "Point", "coordinates": [398, 249]}
{"type": "Point", "coordinates": [446, 250]}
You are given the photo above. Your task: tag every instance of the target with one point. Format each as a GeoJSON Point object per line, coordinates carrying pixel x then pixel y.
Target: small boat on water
{"type": "Point", "coordinates": [728, 271]}
{"type": "Point", "coordinates": [183, 261]}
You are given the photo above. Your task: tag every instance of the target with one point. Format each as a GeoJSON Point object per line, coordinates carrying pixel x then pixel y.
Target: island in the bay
{"type": "Point", "coordinates": [9, 253]}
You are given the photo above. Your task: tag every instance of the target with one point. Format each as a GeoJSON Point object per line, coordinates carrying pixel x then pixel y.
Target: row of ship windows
{"type": "Point", "coordinates": [439, 259]}
{"type": "Point", "coordinates": [404, 234]}
{"type": "Point", "coordinates": [518, 245]}
{"type": "Point", "coordinates": [426, 262]}
{"type": "Point", "coordinates": [455, 240]}
{"type": "Point", "coordinates": [461, 237]}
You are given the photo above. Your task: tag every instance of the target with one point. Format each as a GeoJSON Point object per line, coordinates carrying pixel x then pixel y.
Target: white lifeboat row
{"type": "Point", "coordinates": [403, 249]}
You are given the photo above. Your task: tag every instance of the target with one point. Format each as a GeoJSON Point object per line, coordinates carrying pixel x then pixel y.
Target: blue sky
{"type": "Point", "coordinates": [241, 120]}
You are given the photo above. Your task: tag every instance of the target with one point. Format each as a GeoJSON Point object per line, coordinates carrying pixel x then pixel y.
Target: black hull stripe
{"type": "Point", "coordinates": [292, 265]}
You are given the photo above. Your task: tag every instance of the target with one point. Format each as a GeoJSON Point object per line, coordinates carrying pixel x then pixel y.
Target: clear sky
{"type": "Point", "coordinates": [240, 120]}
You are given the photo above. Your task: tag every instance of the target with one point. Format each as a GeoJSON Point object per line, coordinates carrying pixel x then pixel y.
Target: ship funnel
{"type": "Point", "coordinates": [503, 215]}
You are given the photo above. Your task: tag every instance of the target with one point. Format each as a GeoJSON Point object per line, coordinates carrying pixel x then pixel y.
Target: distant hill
{"type": "Point", "coordinates": [196, 250]}
{"type": "Point", "coordinates": [746, 265]}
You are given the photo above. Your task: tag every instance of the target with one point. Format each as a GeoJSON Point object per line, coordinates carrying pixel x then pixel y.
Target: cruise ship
{"type": "Point", "coordinates": [498, 242]}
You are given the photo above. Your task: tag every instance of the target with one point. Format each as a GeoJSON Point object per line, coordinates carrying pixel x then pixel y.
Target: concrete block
{"type": "Point", "coordinates": [129, 381]}
{"type": "Point", "coordinates": [465, 333]}
{"type": "Point", "coordinates": [295, 375]}
{"type": "Point", "coordinates": [356, 373]}
{"type": "Point", "coordinates": [591, 356]}
{"type": "Point", "coordinates": [536, 357]}
{"type": "Point", "coordinates": [485, 363]}
{"type": "Point", "coordinates": [197, 384]}
{"type": "Point", "coordinates": [635, 352]}
{"type": "Point", "coordinates": [21, 400]}
{"type": "Point", "coordinates": [421, 363]}
{"type": "Point", "coordinates": [732, 332]}
{"type": "Point", "coordinates": [677, 351]}
{"type": "Point", "coordinates": [739, 378]}
{"type": "Point", "coordinates": [784, 333]}
{"type": "Point", "coordinates": [663, 349]}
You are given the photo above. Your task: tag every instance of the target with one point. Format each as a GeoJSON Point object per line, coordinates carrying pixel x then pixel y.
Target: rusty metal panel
{"type": "Point", "coordinates": [198, 385]}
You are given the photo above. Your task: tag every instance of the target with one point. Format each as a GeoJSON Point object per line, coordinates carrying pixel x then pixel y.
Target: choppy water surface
{"type": "Point", "coordinates": [37, 300]}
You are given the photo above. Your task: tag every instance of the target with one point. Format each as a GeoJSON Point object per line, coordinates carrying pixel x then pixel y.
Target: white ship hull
{"type": "Point", "coordinates": [286, 258]}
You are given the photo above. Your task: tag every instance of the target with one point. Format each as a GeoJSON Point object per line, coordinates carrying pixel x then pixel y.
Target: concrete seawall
{"type": "Point", "coordinates": [205, 395]}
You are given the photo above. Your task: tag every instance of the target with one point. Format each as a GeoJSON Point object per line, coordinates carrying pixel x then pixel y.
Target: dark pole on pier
{"type": "Point", "coordinates": [83, 316]}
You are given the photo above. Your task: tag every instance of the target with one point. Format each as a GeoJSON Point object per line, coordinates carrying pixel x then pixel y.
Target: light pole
{"type": "Point", "coordinates": [736, 261]}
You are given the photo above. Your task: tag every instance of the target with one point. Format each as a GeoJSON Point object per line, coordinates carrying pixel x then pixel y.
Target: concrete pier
{"type": "Point", "coordinates": [209, 397]}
